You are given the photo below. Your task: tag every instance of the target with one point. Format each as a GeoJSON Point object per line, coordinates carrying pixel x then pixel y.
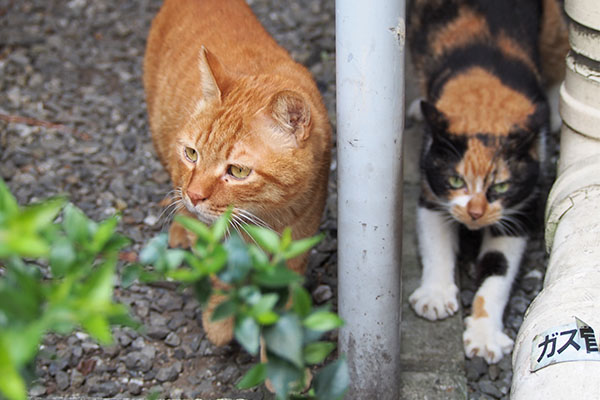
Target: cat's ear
{"type": "Point", "coordinates": [435, 119]}
{"type": "Point", "coordinates": [291, 113]}
{"type": "Point", "coordinates": [213, 77]}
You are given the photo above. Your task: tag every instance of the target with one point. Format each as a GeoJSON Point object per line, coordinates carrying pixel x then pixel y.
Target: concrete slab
{"type": "Point", "coordinates": [431, 352]}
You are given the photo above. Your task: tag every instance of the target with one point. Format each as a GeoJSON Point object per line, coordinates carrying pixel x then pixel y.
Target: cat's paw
{"type": "Point", "coordinates": [481, 338]}
{"type": "Point", "coordinates": [435, 302]}
{"type": "Point", "coordinates": [179, 237]}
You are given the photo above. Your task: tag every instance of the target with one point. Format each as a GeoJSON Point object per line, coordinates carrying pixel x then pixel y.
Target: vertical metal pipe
{"type": "Point", "coordinates": [572, 283]}
{"type": "Point", "coordinates": [370, 116]}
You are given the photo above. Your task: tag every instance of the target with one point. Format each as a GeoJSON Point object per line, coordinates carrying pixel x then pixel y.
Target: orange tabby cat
{"type": "Point", "coordinates": [236, 122]}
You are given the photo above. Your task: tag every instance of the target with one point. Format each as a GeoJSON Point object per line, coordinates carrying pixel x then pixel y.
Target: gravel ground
{"type": "Point", "coordinates": [73, 121]}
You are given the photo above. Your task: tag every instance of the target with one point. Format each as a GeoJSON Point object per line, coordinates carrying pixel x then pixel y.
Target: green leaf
{"type": "Point", "coordinates": [97, 326]}
{"type": "Point", "coordinates": [23, 343]}
{"type": "Point", "coordinates": [301, 301]}
{"type": "Point", "coordinates": [239, 262]}
{"type": "Point", "coordinates": [224, 310]}
{"type": "Point", "coordinates": [250, 294]}
{"type": "Point", "coordinates": [284, 376]}
{"type": "Point", "coordinates": [255, 376]}
{"type": "Point", "coordinates": [98, 288]}
{"type": "Point", "coordinates": [260, 260]}
{"type": "Point", "coordinates": [284, 339]}
{"type": "Point", "coordinates": [104, 232]}
{"type": "Point", "coordinates": [315, 353]}
{"type": "Point", "coordinates": [8, 203]}
{"type": "Point", "coordinates": [216, 261]}
{"type": "Point", "coordinates": [196, 227]}
{"type": "Point", "coordinates": [262, 310]}
{"type": "Point", "coordinates": [247, 334]}
{"type": "Point", "coordinates": [62, 257]}
{"type": "Point", "coordinates": [322, 321]}
{"type": "Point", "coordinates": [76, 224]}
{"type": "Point", "coordinates": [174, 258]}
{"type": "Point", "coordinates": [286, 239]}
{"type": "Point", "coordinates": [11, 383]}
{"type": "Point", "coordinates": [220, 226]}
{"type": "Point", "coordinates": [276, 277]}
{"type": "Point", "coordinates": [301, 246]}
{"type": "Point", "coordinates": [331, 383]}
{"type": "Point", "coordinates": [35, 217]}
{"type": "Point", "coordinates": [266, 303]}
{"type": "Point", "coordinates": [155, 247]}
{"type": "Point", "coordinates": [130, 274]}
{"type": "Point", "coordinates": [26, 245]}
{"type": "Point", "coordinates": [266, 238]}
{"type": "Point", "coordinates": [203, 290]}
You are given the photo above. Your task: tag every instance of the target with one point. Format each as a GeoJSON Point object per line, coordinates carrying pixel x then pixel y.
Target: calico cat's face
{"type": "Point", "coordinates": [481, 179]}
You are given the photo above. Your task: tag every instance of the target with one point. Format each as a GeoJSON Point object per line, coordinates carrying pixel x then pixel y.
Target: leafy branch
{"type": "Point", "coordinates": [265, 299]}
{"type": "Point", "coordinates": [54, 277]}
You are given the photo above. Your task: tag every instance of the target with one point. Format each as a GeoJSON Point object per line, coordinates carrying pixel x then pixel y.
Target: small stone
{"type": "Point", "coordinates": [104, 389]}
{"type": "Point", "coordinates": [138, 343]}
{"type": "Point", "coordinates": [494, 372]}
{"type": "Point", "coordinates": [179, 354]}
{"type": "Point", "coordinates": [37, 391]}
{"type": "Point", "coordinates": [151, 220]}
{"type": "Point", "coordinates": [138, 361]}
{"type": "Point", "coordinates": [112, 351]}
{"type": "Point", "coordinates": [488, 387]}
{"type": "Point", "coordinates": [89, 346]}
{"type": "Point", "coordinates": [135, 386]}
{"type": "Point", "coordinates": [177, 321]}
{"type": "Point", "coordinates": [62, 380]}
{"type": "Point", "coordinates": [229, 374]}
{"type": "Point", "coordinates": [475, 368]}
{"type": "Point", "coordinates": [170, 373]}
{"type": "Point", "coordinates": [173, 340]}
{"type": "Point", "coordinates": [158, 333]}
{"type": "Point", "coordinates": [322, 293]}
{"type": "Point", "coordinates": [77, 378]}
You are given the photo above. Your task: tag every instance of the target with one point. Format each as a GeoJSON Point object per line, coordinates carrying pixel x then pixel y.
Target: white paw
{"type": "Point", "coordinates": [435, 302]}
{"type": "Point", "coordinates": [481, 338]}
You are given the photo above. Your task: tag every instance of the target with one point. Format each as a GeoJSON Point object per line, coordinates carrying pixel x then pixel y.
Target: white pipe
{"type": "Point", "coordinates": [370, 108]}
{"type": "Point", "coordinates": [572, 283]}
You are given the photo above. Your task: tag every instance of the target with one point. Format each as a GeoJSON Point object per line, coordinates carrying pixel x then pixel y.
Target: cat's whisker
{"type": "Point", "coordinates": [252, 219]}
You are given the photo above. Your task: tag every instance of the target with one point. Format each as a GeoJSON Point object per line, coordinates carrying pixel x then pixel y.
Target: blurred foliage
{"type": "Point", "coordinates": [54, 277]}
{"type": "Point", "coordinates": [265, 299]}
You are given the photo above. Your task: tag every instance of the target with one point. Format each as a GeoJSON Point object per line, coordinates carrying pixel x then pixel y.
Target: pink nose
{"type": "Point", "coordinates": [476, 213]}
{"type": "Point", "coordinates": [196, 197]}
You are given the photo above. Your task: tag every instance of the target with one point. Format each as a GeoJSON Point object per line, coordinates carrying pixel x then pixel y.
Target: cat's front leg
{"type": "Point", "coordinates": [436, 298]}
{"type": "Point", "coordinates": [498, 263]}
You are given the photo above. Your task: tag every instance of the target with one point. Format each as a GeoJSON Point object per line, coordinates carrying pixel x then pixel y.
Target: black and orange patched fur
{"type": "Point", "coordinates": [484, 67]}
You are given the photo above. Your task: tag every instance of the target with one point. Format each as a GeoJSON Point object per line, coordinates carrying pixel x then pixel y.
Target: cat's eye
{"type": "Point", "coordinates": [456, 182]}
{"type": "Point", "coordinates": [501, 187]}
{"type": "Point", "coordinates": [238, 171]}
{"type": "Point", "coordinates": [191, 154]}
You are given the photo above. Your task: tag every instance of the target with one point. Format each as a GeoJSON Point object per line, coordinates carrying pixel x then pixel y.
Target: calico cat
{"type": "Point", "coordinates": [236, 122]}
{"type": "Point", "coordinates": [483, 65]}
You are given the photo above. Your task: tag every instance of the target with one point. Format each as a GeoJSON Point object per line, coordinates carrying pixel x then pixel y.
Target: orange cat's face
{"type": "Point", "coordinates": [243, 147]}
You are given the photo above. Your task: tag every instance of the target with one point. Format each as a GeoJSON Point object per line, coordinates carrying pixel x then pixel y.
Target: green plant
{"type": "Point", "coordinates": [266, 300]}
{"type": "Point", "coordinates": [54, 277]}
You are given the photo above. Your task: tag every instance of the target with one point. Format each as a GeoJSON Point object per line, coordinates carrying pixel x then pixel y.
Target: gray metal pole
{"type": "Point", "coordinates": [370, 116]}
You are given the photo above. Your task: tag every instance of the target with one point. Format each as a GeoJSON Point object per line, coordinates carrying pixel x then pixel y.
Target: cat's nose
{"type": "Point", "coordinates": [196, 197]}
{"type": "Point", "coordinates": [476, 206]}
{"type": "Point", "coordinates": [475, 213]}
